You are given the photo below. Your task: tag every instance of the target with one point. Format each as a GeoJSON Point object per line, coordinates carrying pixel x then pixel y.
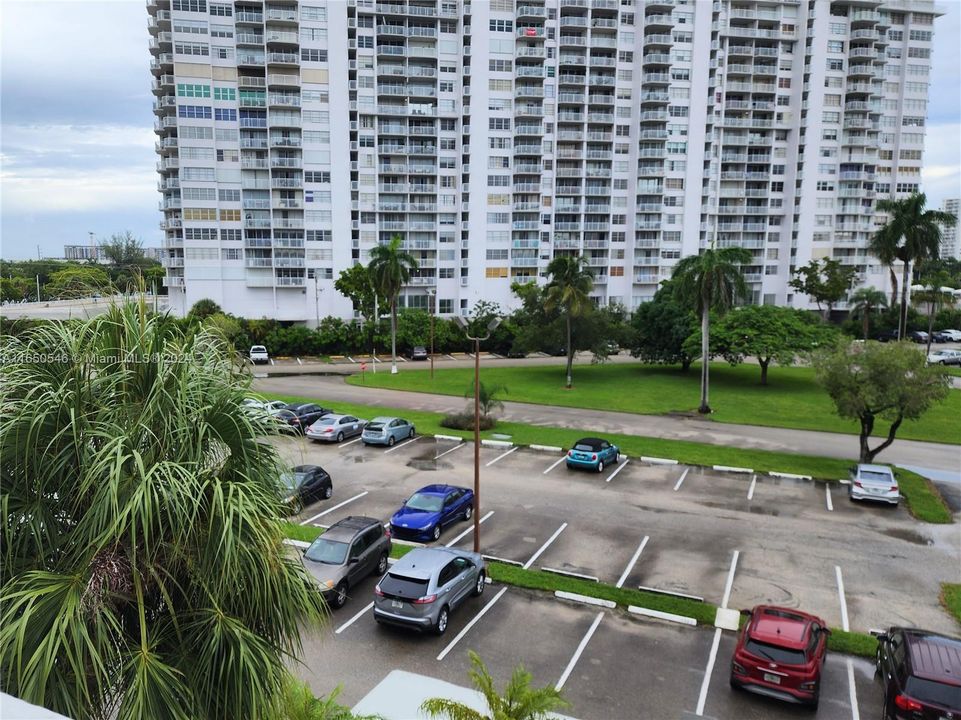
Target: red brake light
{"type": "Point", "coordinates": [858, 484]}
{"type": "Point", "coordinates": [328, 429]}
{"type": "Point", "coordinates": [894, 488]}
{"type": "Point", "coordinates": [378, 592]}
{"type": "Point", "coordinates": [386, 530]}
{"type": "Point", "coordinates": [424, 600]}
{"type": "Point", "coordinates": [594, 457]}
{"type": "Point", "coordinates": [570, 453]}
{"type": "Point", "coordinates": [905, 703]}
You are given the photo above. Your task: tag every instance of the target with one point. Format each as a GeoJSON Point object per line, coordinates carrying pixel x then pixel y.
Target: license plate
{"type": "Point", "coordinates": [776, 679]}
{"type": "Point", "coordinates": [397, 604]}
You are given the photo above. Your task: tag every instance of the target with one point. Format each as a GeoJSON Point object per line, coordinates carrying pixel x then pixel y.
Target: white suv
{"type": "Point", "coordinates": [258, 355]}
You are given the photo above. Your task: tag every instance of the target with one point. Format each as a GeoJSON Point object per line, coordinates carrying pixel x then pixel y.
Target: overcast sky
{"type": "Point", "coordinates": [76, 152]}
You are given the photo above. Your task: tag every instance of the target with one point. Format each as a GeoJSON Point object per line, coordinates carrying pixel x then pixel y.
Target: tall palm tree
{"type": "Point", "coordinates": [519, 701]}
{"type": "Point", "coordinates": [913, 234]}
{"type": "Point", "coordinates": [144, 573]}
{"type": "Point", "coordinates": [389, 268]}
{"type": "Point", "coordinates": [710, 281]}
{"type": "Point", "coordinates": [865, 302]}
{"type": "Point", "coordinates": [568, 290]}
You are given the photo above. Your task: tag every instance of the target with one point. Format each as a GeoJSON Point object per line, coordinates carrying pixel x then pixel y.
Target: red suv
{"type": "Point", "coordinates": [921, 674]}
{"type": "Point", "coordinates": [779, 653]}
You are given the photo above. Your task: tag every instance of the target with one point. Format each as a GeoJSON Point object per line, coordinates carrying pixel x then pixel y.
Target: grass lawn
{"type": "Point", "coordinates": [951, 599]}
{"type": "Point", "coordinates": [792, 399]}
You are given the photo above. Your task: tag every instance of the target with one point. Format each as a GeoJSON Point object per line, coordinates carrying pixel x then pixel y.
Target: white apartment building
{"type": "Point", "coordinates": [949, 235]}
{"type": "Point", "coordinates": [493, 135]}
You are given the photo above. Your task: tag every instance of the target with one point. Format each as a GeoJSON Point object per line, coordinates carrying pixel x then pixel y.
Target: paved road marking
{"type": "Point", "coordinates": [630, 565]}
{"type": "Point", "coordinates": [580, 649]}
{"type": "Point", "coordinates": [827, 495]}
{"type": "Point", "coordinates": [468, 626]}
{"type": "Point", "coordinates": [554, 465]}
{"type": "Point", "coordinates": [343, 445]}
{"type": "Point", "coordinates": [750, 490]}
{"type": "Point", "coordinates": [702, 698]}
{"type": "Point", "coordinates": [456, 447]}
{"type": "Point", "coordinates": [354, 619]}
{"type": "Point", "coordinates": [469, 530]}
{"type": "Point", "coordinates": [544, 547]}
{"type": "Point", "coordinates": [844, 604]}
{"type": "Point", "coordinates": [730, 579]}
{"type": "Point", "coordinates": [621, 466]}
{"type": "Point", "coordinates": [683, 475]}
{"type": "Point", "coordinates": [503, 456]}
{"type": "Point", "coordinates": [398, 446]}
{"type": "Point", "coordinates": [852, 692]}
{"type": "Point", "coordinates": [338, 505]}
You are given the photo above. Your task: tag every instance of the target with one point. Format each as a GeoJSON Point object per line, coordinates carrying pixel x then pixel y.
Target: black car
{"type": "Point", "coordinates": [921, 674]}
{"type": "Point", "coordinates": [887, 336]}
{"type": "Point", "coordinates": [303, 415]}
{"type": "Point", "coordinates": [305, 484]}
{"type": "Point", "coordinates": [942, 336]}
{"type": "Point", "coordinates": [917, 336]}
{"type": "Point", "coordinates": [418, 353]}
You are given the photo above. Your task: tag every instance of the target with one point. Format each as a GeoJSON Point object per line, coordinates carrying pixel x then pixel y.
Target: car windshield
{"type": "Point", "coordinates": [874, 476]}
{"type": "Point", "coordinates": [285, 414]}
{"type": "Point", "coordinates": [292, 481]}
{"type": "Point", "coordinates": [327, 552]}
{"type": "Point", "coordinates": [258, 348]}
{"type": "Point", "coordinates": [404, 586]}
{"type": "Point", "coordinates": [774, 653]}
{"type": "Point", "coordinates": [428, 503]}
{"type": "Point", "coordinates": [935, 693]}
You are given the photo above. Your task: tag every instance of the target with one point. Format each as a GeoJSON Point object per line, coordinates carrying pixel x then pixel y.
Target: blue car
{"type": "Point", "coordinates": [592, 454]}
{"type": "Point", "coordinates": [387, 431]}
{"type": "Point", "coordinates": [429, 510]}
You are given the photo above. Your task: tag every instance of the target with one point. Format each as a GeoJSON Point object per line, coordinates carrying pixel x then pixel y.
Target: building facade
{"type": "Point", "coordinates": [949, 235]}
{"type": "Point", "coordinates": [95, 253]}
{"type": "Point", "coordinates": [492, 136]}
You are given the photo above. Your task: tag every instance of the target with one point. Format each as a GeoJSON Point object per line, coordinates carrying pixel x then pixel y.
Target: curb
{"type": "Point", "coordinates": [658, 591]}
{"type": "Point", "coordinates": [610, 604]}
{"type": "Point", "coordinates": [546, 448]}
{"type": "Point", "coordinates": [789, 476]}
{"type": "Point", "coordinates": [409, 543]}
{"type": "Point", "coordinates": [496, 443]}
{"type": "Point", "coordinates": [567, 573]}
{"type": "Point", "coordinates": [506, 561]}
{"type": "Point", "coordinates": [727, 468]}
{"type": "Point", "coordinates": [658, 461]}
{"type": "Point", "coordinates": [449, 437]}
{"type": "Point", "coordinates": [296, 543]}
{"type": "Point", "coordinates": [670, 617]}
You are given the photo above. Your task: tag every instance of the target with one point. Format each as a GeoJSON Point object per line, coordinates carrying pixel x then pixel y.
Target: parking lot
{"type": "Point", "coordinates": [746, 539]}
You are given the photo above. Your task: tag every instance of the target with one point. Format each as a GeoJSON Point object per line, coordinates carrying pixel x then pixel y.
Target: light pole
{"type": "Point", "coordinates": [433, 307]}
{"type": "Point", "coordinates": [491, 327]}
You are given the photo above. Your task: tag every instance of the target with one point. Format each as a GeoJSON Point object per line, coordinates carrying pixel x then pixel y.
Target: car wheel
{"type": "Point", "coordinates": [435, 534]}
{"type": "Point", "coordinates": [734, 683]}
{"type": "Point", "coordinates": [441, 627]}
{"type": "Point", "coordinates": [600, 466]}
{"type": "Point", "coordinates": [886, 709]}
{"type": "Point", "coordinates": [479, 586]}
{"type": "Point", "coordinates": [468, 512]}
{"type": "Point", "coordinates": [382, 564]}
{"type": "Point", "coordinates": [328, 491]}
{"type": "Point", "coordinates": [617, 458]}
{"type": "Point", "coordinates": [410, 435]}
{"type": "Point", "coordinates": [340, 437]}
{"type": "Point", "coordinates": [390, 441]}
{"type": "Point", "coordinates": [340, 595]}
{"type": "Point", "coordinates": [813, 703]}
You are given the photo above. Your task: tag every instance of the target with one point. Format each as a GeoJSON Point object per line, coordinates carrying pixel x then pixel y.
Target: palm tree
{"type": "Point", "coordinates": [710, 281]}
{"type": "Point", "coordinates": [144, 573]}
{"type": "Point", "coordinates": [389, 269]}
{"type": "Point", "coordinates": [913, 234]}
{"type": "Point", "coordinates": [568, 290]}
{"type": "Point", "coordinates": [865, 302]}
{"type": "Point", "coordinates": [519, 700]}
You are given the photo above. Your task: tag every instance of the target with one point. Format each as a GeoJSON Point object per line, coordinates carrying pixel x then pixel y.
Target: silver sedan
{"type": "Point", "coordinates": [335, 428]}
{"type": "Point", "coordinates": [387, 431]}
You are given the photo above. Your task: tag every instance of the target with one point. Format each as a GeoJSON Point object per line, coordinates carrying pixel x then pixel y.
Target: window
{"type": "Point", "coordinates": [221, 10]}
{"type": "Point", "coordinates": [229, 195]}
{"type": "Point", "coordinates": [680, 74]}
{"type": "Point", "coordinates": [196, 27]}
{"type": "Point", "coordinates": [500, 65]}
{"type": "Point", "coordinates": [228, 155]}
{"type": "Point", "coordinates": [496, 272]}
{"type": "Point", "coordinates": [313, 34]}
{"type": "Point", "coordinates": [200, 233]}
{"type": "Point", "coordinates": [193, 91]}
{"type": "Point", "coordinates": [200, 213]}
{"type": "Point", "coordinates": [223, 53]}
{"type": "Point", "coordinates": [197, 173]}
{"type": "Point", "coordinates": [225, 114]}
{"type": "Point", "coordinates": [501, 26]}
{"type": "Point", "coordinates": [312, 12]}
{"type": "Point", "coordinates": [230, 215]}
{"type": "Point", "coordinates": [920, 35]}
{"type": "Point", "coordinates": [194, 111]}
{"type": "Point", "coordinates": [498, 124]}
{"type": "Point", "coordinates": [313, 55]}
{"type": "Point", "coordinates": [199, 193]}
{"type": "Point", "coordinates": [221, 31]}
{"type": "Point", "coordinates": [189, 5]}
{"type": "Point", "coordinates": [235, 235]}
{"type": "Point", "coordinates": [836, 46]}
{"type": "Point", "coordinates": [916, 52]}
{"type": "Point", "coordinates": [835, 64]}
{"type": "Point", "coordinates": [497, 254]}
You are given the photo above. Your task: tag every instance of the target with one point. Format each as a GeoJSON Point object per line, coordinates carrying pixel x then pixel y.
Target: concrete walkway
{"type": "Point", "coordinates": [943, 458]}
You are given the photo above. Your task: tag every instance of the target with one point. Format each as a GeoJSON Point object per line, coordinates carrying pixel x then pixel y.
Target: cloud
{"type": "Point", "coordinates": [941, 173]}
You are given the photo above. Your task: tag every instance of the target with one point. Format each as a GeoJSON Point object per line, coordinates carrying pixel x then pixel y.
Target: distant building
{"type": "Point", "coordinates": [96, 254]}
{"type": "Point", "coordinates": [950, 248]}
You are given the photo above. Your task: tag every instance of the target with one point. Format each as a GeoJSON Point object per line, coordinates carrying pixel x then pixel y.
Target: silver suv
{"type": "Point", "coordinates": [424, 586]}
{"type": "Point", "coordinates": [346, 553]}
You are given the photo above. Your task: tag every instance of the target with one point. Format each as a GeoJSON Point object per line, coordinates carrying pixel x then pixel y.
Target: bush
{"type": "Point", "coordinates": [465, 421]}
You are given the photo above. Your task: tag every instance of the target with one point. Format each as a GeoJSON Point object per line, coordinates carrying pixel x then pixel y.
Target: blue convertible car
{"type": "Point", "coordinates": [429, 510]}
{"type": "Point", "coordinates": [592, 454]}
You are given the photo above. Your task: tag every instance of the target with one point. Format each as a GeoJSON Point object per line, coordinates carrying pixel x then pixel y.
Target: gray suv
{"type": "Point", "coordinates": [422, 588]}
{"type": "Point", "coordinates": [346, 553]}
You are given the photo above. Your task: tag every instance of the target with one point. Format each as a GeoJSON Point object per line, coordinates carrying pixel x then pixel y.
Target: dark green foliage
{"type": "Point", "coordinates": [203, 309]}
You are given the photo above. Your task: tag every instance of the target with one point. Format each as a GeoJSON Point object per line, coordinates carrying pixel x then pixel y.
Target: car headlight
{"type": "Point", "coordinates": [329, 584]}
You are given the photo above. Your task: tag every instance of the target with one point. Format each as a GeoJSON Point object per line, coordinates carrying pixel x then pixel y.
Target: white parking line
{"type": "Point", "coordinates": [469, 530]}
{"type": "Point", "coordinates": [750, 490]}
{"type": "Point", "coordinates": [554, 465]}
{"type": "Point", "coordinates": [398, 446]}
{"type": "Point", "coordinates": [338, 505]}
{"type": "Point", "coordinates": [844, 604]}
{"type": "Point", "coordinates": [544, 547]}
{"type": "Point", "coordinates": [630, 565]}
{"type": "Point", "coordinates": [354, 619]}
{"type": "Point", "coordinates": [702, 698]}
{"type": "Point", "coordinates": [827, 495]}
{"type": "Point", "coordinates": [503, 456]}
{"type": "Point", "coordinates": [351, 442]}
{"type": "Point", "coordinates": [683, 475]}
{"type": "Point", "coordinates": [730, 579]}
{"type": "Point", "coordinates": [852, 692]}
{"type": "Point", "coordinates": [620, 467]}
{"type": "Point", "coordinates": [456, 447]}
{"type": "Point", "coordinates": [468, 626]}
{"type": "Point", "coordinates": [580, 649]}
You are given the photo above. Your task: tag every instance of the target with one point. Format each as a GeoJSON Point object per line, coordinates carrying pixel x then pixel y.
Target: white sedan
{"type": "Point", "coordinates": [945, 357]}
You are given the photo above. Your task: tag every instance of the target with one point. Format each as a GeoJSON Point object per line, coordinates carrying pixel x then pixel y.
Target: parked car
{"type": "Point", "coordinates": [387, 431]}
{"type": "Point", "coordinates": [347, 552]}
{"type": "Point", "coordinates": [334, 428]}
{"type": "Point", "coordinates": [592, 454]}
{"type": "Point", "coordinates": [917, 336]}
{"type": "Point", "coordinates": [305, 484]}
{"type": "Point", "coordinates": [780, 653]}
{"type": "Point", "coordinates": [948, 336]}
{"type": "Point", "coordinates": [921, 674]}
{"type": "Point", "coordinates": [425, 514]}
{"type": "Point", "coordinates": [258, 355]}
{"type": "Point", "coordinates": [418, 353]}
{"type": "Point", "coordinates": [424, 586]}
{"type": "Point", "coordinates": [887, 336]}
{"type": "Point", "coordinates": [269, 406]}
{"type": "Point", "coordinates": [305, 415]}
{"type": "Point", "coordinates": [874, 482]}
{"type": "Point", "coordinates": [945, 356]}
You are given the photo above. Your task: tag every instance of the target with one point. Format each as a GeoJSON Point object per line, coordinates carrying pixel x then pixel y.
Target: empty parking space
{"type": "Point", "coordinates": [514, 534]}
{"type": "Point", "coordinates": [602, 552]}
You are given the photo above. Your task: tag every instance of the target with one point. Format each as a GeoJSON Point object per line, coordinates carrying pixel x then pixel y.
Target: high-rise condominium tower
{"type": "Point", "coordinates": [493, 135]}
{"type": "Point", "coordinates": [949, 235]}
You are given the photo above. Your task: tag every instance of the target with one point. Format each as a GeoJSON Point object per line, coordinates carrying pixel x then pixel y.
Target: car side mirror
{"type": "Point", "coordinates": [880, 635]}
{"type": "Point", "coordinates": [353, 561]}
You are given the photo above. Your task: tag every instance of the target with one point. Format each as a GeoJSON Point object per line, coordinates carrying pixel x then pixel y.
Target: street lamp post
{"type": "Point", "coordinates": [491, 326]}
{"type": "Point", "coordinates": [433, 307]}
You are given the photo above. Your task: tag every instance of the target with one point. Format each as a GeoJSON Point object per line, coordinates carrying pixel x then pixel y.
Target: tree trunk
{"type": "Point", "coordinates": [868, 455]}
{"type": "Point", "coordinates": [930, 326]}
{"type": "Point", "coordinates": [867, 425]}
{"type": "Point", "coordinates": [763, 364]}
{"type": "Point", "coordinates": [894, 286]}
{"type": "Point", "coordinates": [570, 352]}
{"type": "Point", "coordinates": [704, 408]}
{"type": "Point", "coordinates": [393, 336]}
{"type": "Point", "coordinates": [866, 320]}
{"type": "Point", "coordinates": [686, 364]}
{"type": "Point", "coordinates": [903, 319]}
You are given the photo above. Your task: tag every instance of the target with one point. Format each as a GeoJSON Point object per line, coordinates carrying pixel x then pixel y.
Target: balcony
{"type": "Point", "coordinates": [279, 36]}
{"type": "Point", "coordinates": [281, 58]}
{"type": "Point", "coordinates": [298, 281]}
{"type": "Point", "coordinates": [286, 183]}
